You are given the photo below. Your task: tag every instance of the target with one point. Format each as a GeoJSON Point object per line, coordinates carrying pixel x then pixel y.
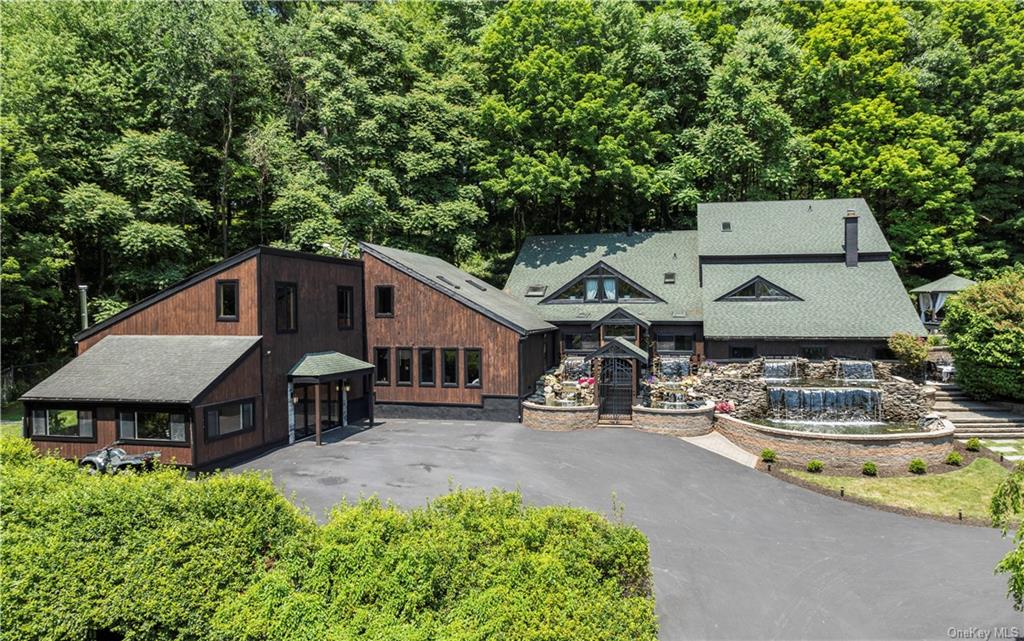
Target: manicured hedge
{"type": "Point", "coordinates": [984, 325]}
{"type": "Point", "coordinates": [158, 556]}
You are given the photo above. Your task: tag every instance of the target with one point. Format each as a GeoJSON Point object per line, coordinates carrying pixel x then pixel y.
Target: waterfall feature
{"type": "Point", "coordinates": [859, 371]}
{"type": "Point", "coordinates": [779, 370]}
{"type": "Point", "coordinates": [825, 404]}
{"type": "Point", "coordinates": [675, 367]}
{"type": "Point", "coordinates": [575, 367]}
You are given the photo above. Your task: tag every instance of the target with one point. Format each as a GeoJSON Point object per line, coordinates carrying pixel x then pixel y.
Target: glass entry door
{"type": "Point", "coordinates": [305, 408]}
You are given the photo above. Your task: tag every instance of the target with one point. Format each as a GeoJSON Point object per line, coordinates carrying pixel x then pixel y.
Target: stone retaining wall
{"type": "Point", "coordinates": [678, 422]}
{"type": "Point", "coordinates": [797, 448]}
{"type": "Point", "coordinates": [559, 419]}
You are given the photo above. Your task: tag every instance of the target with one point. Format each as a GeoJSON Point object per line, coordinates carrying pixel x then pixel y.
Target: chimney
{"type": "Point", "coordinates": [83, 305]}
{"type": "Point", "coordinates": [850, 237]}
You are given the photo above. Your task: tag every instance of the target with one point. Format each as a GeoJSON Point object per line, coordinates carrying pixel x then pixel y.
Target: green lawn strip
{"type": "Point", "coordinates": [969, 489]}
{"type": "Point", "coordinates": [1016, 443]}
{"type": "Point", "coordinates": [11, 412]}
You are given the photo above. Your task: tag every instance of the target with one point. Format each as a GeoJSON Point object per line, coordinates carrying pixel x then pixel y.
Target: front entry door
{"type": "Point", "coordinates": [616, 391]}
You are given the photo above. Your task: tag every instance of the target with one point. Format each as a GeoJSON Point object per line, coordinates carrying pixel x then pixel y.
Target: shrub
{"type": "Point", "coordinates": [162, 557]}
{"type": "Point", "coordinates": [909, 349]}
{"type": "Point", "coordinates": [954, 458]}
{"type": "Point", "coordinates": [814, 466]}
{"type": "Point", "coordinates": [869, 469]}
{"type": "Point", "coordinates": [917, 466]}
{"type": "Point", "coordinates": [984, 327]}
{"type": "Point", "coordinates": [936, 340]}
{"type": "Point", "coordinates": [768, 456]}
{"type": "Point", "coordinates": [973, 444]}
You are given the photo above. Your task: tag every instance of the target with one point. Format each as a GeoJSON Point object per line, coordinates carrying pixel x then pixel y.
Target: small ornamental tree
{"type": "Point", "coordinates": [1007, 507]}
{"type": "Point", "coordinates": [911, 350]}
{"type": "Point", "coordinates": [984, 325]}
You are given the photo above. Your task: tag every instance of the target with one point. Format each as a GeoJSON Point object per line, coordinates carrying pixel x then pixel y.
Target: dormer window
{"type": "Point", "coordinates": [758, 289]}
{"type": "Point", "coordinates": [601, 285]}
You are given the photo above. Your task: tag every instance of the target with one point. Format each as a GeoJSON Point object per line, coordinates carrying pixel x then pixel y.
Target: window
{"type": "Point", "coordinates": [579, 340]}
{"type": "Point", "coordinates": [675, 342]}
{"type": "Point", "coordinates": [534, 291]}
{"type": "Point", "coordinates": [404, 358]}
{"type": "Point", "coordinates": [670, 278]}
{"type": "Point", "coordinates": [382, 359]}
{"type": "Point", "coordinates": [814, 352]}
{"type": "Point", "coordinates": [742, 352]}
{"type": "Point", "coordinates": [384, 301]}
{"type": "Point", "coordinates": [427, 375]}
{"type": "Point", "coordinates": [151, 425]}
{"type": "Point", "coordinates": [345, 312]}
{"type": "Point", "coordinates": [758, 289]}
{"type": "Point", "coordinates": [227, 300]}
{"type": "Point", "coordinates": [450, 367]}
{"type": "Point", "coordinates": [229, 418]}
{"type": "Point", "coordinates": [286, 301]}
{"type": "Point", "coordinates": [474, 358]}
{"type": "Point", "coordinates": [62, 422]}
{"type": "Point", "coordinates": [625, 331]}
{"type": "Point", "coordinates": [600, 285]}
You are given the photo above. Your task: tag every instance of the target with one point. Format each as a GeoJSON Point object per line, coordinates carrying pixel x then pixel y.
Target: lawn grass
{"type": "Point", "coordinates": [969, 489]}
{"type": "Point", "coordinates": [1016, 443]}
{"type": "Point", "coordinates": [10, 419]}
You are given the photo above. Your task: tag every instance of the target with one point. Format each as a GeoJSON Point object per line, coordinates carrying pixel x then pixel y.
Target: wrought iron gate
{"type": "Point", "coordinates": [616, 391]}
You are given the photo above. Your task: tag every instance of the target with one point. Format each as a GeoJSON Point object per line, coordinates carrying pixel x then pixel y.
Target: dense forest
{"type": "Point", "coordinates": [144, 140]}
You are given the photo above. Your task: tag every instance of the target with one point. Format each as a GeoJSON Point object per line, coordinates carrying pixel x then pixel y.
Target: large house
{"type": "Point", "coordinates": [271, 345]}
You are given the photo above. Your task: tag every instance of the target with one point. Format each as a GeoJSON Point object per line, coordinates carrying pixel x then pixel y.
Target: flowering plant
{"type": "Point", "coordinates": [725, 407]}
{"type": "Point", "coordinates": [585, 381]}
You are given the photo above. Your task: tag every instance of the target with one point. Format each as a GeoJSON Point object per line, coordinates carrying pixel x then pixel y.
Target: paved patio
{"type": "Point", "coordinates": [736, 554]}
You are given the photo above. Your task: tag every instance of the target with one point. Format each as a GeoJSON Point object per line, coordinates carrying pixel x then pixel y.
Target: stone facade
{"type": "Point", "coordinates": [797, 448]}
{"type": "Point", "coordinates": [559, 419]}
{"type": "Point", "coordinates": [678, 422]}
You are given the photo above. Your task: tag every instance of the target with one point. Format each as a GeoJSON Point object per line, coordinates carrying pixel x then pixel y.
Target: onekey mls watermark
{"type": "Point", "coordinates": [985, 634]}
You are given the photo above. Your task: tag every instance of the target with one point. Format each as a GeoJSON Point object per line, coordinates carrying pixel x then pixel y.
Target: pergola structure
{"type": "Point", "coordinates": [932, 297]}
{"type": "Point", "coordinates": [316, 368]}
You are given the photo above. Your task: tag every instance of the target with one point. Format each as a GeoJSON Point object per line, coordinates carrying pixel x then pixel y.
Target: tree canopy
{"type": "Point", "coordinates": [144, 141]}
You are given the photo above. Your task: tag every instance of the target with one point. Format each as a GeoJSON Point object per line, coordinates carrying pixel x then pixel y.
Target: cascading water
{"type": "Point", "coordinates": [779, 370]}
{"type": "Point", "coordinates": [859, 371]}
{"type": "Point", "coordinates": [825, 404]}
{"type": "Point", "coordinates": [674, 367]}
{"type": "Point", "coordinates": [575, 367]}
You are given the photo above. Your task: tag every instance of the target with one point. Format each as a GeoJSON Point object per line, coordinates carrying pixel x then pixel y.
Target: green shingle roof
{"type": "Point", "coordinates": [465, 288]}
{"type": "Point", "coordinates": [644, 257]}
{"type": "Point", "coordinates": [620, 345]}
{"type": "Point", "coordinates": [949, 283]}
{"type": "Point", "coordinates": [866, 301]}
{"type": "Point", "coordinates": [317, 364]}
{"type": "Point", "coordinates": [785, 227]}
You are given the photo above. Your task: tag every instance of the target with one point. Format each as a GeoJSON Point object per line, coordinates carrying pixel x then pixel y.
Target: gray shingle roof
{"type": "Point", "coordinates": [644, 257]}
{"type": "Point", "coordinates": [949, 283]}
{"type": "Point", "coordinates": [316, 364]}
{"type": "Point", "coordinates": [465, 288]}
{"type": "Point", "coordinates": [867, 301]}
{"type": "Point", "coordinates": [140, 369]}
{"type": "Point", "coordinates": [785, 227]}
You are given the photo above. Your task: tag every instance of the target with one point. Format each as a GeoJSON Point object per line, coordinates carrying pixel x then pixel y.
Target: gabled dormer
{"type": "Point", "coordinates": [601, 284]}
{"type": "Point", "coordinates": [758, 289]}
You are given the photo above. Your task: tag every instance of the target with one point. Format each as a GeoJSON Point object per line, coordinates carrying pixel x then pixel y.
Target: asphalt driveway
{"type": "Point", "coordinates": [735, 553]}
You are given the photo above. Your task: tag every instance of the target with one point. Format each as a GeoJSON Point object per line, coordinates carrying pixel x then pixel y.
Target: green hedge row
{"type": "Point", "coordinates": [159, 556]}
{"type": "Point", "coordinates": [984, 325]}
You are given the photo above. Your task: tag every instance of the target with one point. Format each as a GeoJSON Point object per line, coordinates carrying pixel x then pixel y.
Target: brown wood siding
{"type": "Point", "coordinates": [106, 434]}
{"type": "Point", "coordinates": [193, 310]}
{"type": "Point", "coordinates": [424, 317]}
{"type": "Point", "coordinates": [534, 362]}
{"type": "Point", "coordinates": [318, 282]}
{"type": "Point", "coordinates": [243, 382]}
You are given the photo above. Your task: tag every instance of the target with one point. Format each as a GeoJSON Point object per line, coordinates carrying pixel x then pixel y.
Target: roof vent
{"type": "Point", "coordinates": [536, 290]}
{"type": "Point", "coordinates": [670, 278]}
{"type": "Point", "coordinates": [477, 285]}
{"type": "Point", "coordinates": [447, 282]}
{"type": "Point", "coordinates": [726, 226]}
{"type": "Point", "coordinates": [678, 314]}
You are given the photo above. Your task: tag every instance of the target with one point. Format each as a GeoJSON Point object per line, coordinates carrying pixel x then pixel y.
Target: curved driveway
{"type": "Point", "coordinates": [735, 553]}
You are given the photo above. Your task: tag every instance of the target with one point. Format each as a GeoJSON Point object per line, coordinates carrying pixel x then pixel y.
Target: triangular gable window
{"type": "Point", "coordinates": [759, 289]}
{"type": "Point", "coordinates": [601, 284]}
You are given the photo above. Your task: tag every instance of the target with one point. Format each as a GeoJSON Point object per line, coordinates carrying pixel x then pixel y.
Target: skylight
{"type": "Point", "coordinates": [477, 285]}
{"type": "Point", "coordinates": [536, 290]}
{"type": "Point", "coordinates": [726, 226]}
{"type": "Point", "coordinates": [670, 278]}
{"type": "Point", "coordinates": [446, 281]}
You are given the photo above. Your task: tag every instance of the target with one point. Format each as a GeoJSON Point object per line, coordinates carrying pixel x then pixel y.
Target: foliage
{"type": "Point", "coordinates": [1007, 506]}
{"type": "Point", "coordinates": [159, 556]}
{"type": "Point", "coordinates": [954, 458]}
{"type": "Point", "coordinates": [814, 466]}
{"type": "Point", "coordinates": [917, 466]}
{"type": "Point", "coordinates": [768, 455]}
{"type": "Point", "coordinates": [973, 444]}
{"type": "Point", "coordinates": [911, 350]}
{"type": "Point", "coordinates": [869, 469]}
{"type": "Point", "coordinates": [984, 325]}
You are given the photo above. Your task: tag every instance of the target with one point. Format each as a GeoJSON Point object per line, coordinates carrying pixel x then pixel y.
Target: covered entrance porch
{"type": "Point", "coordinates": [616, 367]}
{"type": "Point", "coordinates": [319, 385]}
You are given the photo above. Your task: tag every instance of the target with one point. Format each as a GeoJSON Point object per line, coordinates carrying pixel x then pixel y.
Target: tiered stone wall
{"type": "Point", "coordinates": [678, 422]}
{"type": "Point", "coordinates": [559, 419]}
{"type": "Point", "coordinates": [796, 448]}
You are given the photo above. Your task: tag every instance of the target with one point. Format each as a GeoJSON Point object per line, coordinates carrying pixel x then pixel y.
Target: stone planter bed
{"type": "Point", "coordinates": [839, 450]}
{"type": "Point", "coordinates": [677, 422]}
{"type": "Point", "coordinates": [553, 418]}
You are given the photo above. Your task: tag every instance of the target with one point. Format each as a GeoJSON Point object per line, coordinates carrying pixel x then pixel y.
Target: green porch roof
{"type": "Point", "coordinates": [619, 345]}
{"type": "Point", "coordinates": [948, 283]}
{"type": "Point", "coordinates": [327, 364]}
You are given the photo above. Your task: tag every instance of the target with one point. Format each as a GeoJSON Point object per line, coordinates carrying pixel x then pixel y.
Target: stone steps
{"type": "Point", "coordinates": [967, 406]}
